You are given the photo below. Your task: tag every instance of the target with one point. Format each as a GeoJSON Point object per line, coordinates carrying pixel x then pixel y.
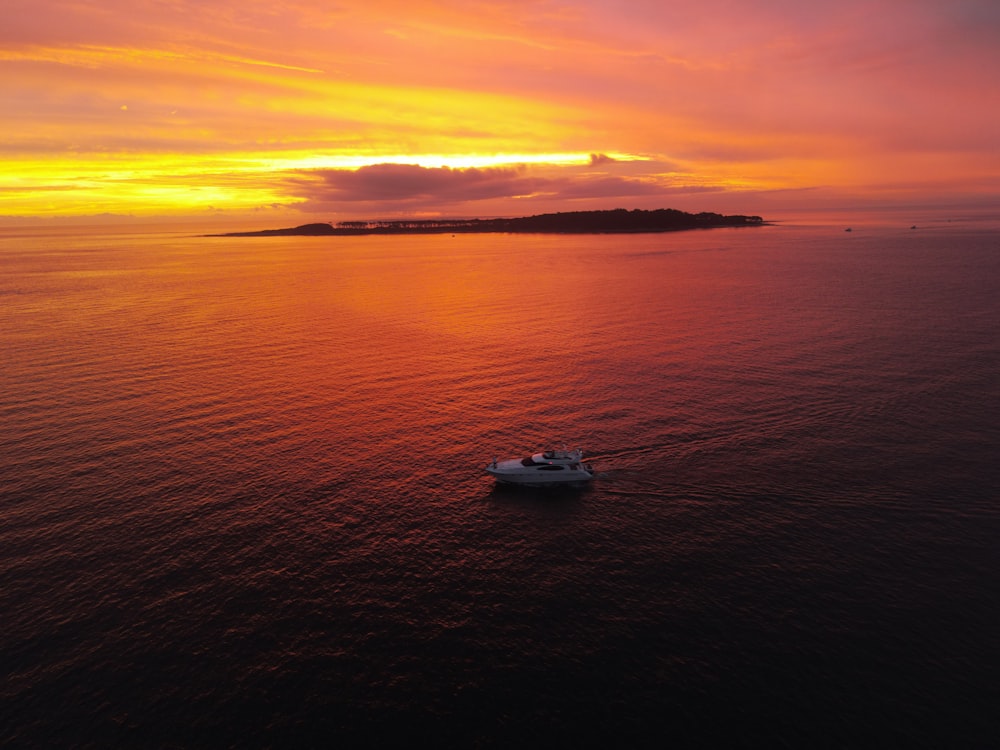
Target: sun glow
{"type": "Point", "coordinates": [432, 161]}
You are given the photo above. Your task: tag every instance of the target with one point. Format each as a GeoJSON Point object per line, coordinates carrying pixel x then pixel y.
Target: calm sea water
{"type": "Point", "coordinates": [242, 498]}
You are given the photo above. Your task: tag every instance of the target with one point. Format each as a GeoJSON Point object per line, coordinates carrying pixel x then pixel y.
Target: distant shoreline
{"type": "Point", "coordinates": [617, 221]}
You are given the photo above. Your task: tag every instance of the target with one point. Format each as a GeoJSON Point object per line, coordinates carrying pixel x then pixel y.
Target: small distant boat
{"type": "Point", "coordinates": [547, 469]}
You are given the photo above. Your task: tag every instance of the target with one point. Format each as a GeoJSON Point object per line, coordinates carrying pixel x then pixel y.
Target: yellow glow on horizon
{"type": "Point", "coordinates": [176, 184]}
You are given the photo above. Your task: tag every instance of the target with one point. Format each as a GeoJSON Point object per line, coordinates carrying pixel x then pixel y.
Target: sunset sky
{"type": "Point", "coordinates": [327, 110]}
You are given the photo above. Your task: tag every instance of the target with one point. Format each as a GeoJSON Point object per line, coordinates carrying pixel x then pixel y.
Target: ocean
{"type": "Point", "coordinates": [243, 499]}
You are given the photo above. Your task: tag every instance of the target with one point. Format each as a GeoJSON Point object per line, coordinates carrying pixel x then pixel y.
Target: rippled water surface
{"type": "Point", "coordinates": [243, 498]}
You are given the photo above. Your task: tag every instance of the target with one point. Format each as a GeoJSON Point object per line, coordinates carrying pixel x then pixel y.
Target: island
{"type": "Point", "coordinates": [618, 220]}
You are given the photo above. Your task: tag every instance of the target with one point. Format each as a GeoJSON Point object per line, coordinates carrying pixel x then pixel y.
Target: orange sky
{"type": "Point", "coordinates": [323, 111]}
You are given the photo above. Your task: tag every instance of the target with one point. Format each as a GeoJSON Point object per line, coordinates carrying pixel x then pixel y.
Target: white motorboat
{"type": "Point", "coordinates": [546, 469]}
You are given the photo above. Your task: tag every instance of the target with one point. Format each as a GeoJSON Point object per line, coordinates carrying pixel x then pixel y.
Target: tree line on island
{"type": "Point", "coordinates": [619, 220]}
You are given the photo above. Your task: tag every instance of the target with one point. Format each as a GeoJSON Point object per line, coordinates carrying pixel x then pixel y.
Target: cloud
{"type": "Point", "coordinates": [408, 187]}
{"type": "Point", "coordinates": [409, 182]}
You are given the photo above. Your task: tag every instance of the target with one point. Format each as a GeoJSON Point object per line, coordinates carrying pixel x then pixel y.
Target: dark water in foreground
{"type": "Point", "coordinates": [242, 498]}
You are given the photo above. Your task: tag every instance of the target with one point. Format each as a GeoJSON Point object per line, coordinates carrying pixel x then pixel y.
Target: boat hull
{"type": "Point", "coordinates": [515, 481]}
